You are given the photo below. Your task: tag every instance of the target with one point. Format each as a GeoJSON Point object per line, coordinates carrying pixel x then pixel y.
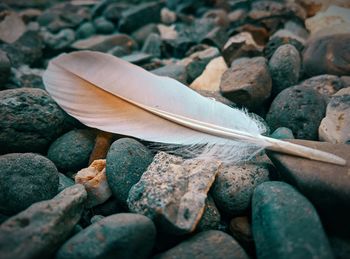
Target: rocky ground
{"type": "Point", "coordinates": [68, 191]}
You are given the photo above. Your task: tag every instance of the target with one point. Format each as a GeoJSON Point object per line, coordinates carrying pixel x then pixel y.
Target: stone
{"type": "Point", "coordinates": [234, 186]}
{"type": "Point", "coordinates": [211, 216]}
{"type": "Point", "coordinates": [297, 28]}
{"type": "Point", "coordinates": [127, 160]}
{"type": "Point", "coordinates": [153, 45]}
{"type": "Point", "coordinates": [279, 209]}
{"type": "Point", "coordinates": [85, 30]}
{"type": "Point", "coordinates": [64, 182]}
{"type": "Point", "coordinates": [176, 71]}
{"type": "Point", "coordinates": [141, 34]}
{"type": "Point", "coordinates": [241, 229]}
{"type": "Point", "coordinates": [59, 41]}
{"type": "Point", "coordinates": [138, 58]}
{"type": "Point", "coordinates": [38, 231]}
{"type": "Point", "coordinates": [328, 54]}
{"type": "Point", "coordinates": [5, 68]}
{"type": "Point", "coordinates": [299, 109]}
{"type": "Point", "coordinates": [103, 43]}
{"type": "Point", "coordinates": [118, 51]}
{"type": "Point", "coordinates": [167, 16]}
{"type": "Point", "coordinates": [275, 42]}
{"type": "Point", "coordinates": [317, 181]}
{"type": "Point", "coordinates": [247, 82]}
{"type": "Point", "coordinates": [30, 15]}
{"type": "Point", "coordinates": [333, 16]}
{"type": "Point", "coordinates": [29, 120]}
{"type": "Point", "coordinates": [26, 77]}
{"type": "Point", "coordinates": [282, 133]}
{"type": "Point", "coordinates": [207, 244]}
{"type": "Point", "coordinates": [113, 11]}
{"type": "Point", "coordinates": [172, 192]}
{"type": "Point", "coordinates": [137, 16]}
{"type": "Point", "coordinates": [284, 67]}
{"type": "Point", "coordinates": [288, 36]}
{"type": "Point", "coordinates": [12, 27]}
{"type": "Point", "coordinates": [217, 37]}
{"type": "Point", "coordinates": [335, 127]}
{"type": "Point", "coordinates": [216, 96]}
{"type": "Point", "coordinates": [326, 85]}
{"type": "Point", "coordinates": [103, 26]}
{"type": "Point", "coordinates": [240, 45]}
{"type": "Point", "coordinates": [110, 207]}
{"type": "Point", "coordinates": [95, 182]}
{"type": "Point", "coordinates": [210, 78]}
{"type": "Point", "coordinates": [25, 178]}
{"type": "Point", "coordinates": [71, 151]}
{"type": "Point", "coordinates": [167, 33]}
{"type": "Point", "coordinates": [123, 235]}
{"type": "Point", "coordinates": [345, 81]}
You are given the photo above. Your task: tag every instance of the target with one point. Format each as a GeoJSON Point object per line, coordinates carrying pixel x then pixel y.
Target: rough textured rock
{"type": "Point", "coordinates": [208, 245]}
{"type": "Point", "coordinates": [247, 82]}
{"type": "Point", "coordinates": [95, 182]}
{"type": "Point", "coordinates": [335, 127]}
{"type": "Point", "coordinates": [122, 235]}
{"type": "Point", "coordinates": [298, 108]}
{"type": "Point", "coordinates": [328, 54]}
{"type": "Point", "coordinates": [5, 68]}
{"type": "Point", "coordinates": [284, 67]}
{"type": "Point", "coordinates": [25, 179]}
{"type": "Point", "coordinates": [127, 160]}
{"type": "Point", "coordinates": [234, 186]}
{"type": "Point", "coordinates": [142, 14]}
{"type": "Point", "coordinates": [39, 230]}
{"type": "Point", "coordinates": [71, 151]}
{"type": "Point", "coordinates": [211, 216]}
{"type": "Point", "coordinates": [279, 209]}
{"type": "Point", "coordinates": [29, 120]}
{"type": "Point", "coordinates": [327, 186]}
{"type": "Point", "coordinates": [210, 79]}
{"type": "Point", "coordinates": [172, 192]}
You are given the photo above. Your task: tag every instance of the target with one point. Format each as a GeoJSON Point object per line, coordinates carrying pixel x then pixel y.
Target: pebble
{"type": "Point", "coordinates": [12, 27]}
{"type": "Point", "coordinates": [25, 178]}
{"type": "Point", "coordinates": [26, 77]}
{"type": "Point", "coordinates": [282, 133]}
{"type": "Point", "coordinates": [299, 109]}
{"type": "Point", "coordinates": [327, 54]}
{"type": "Point", "coordinates": [123, 235]}
{"type": "Point", "coordinates": [153, 45]}
{"type": "Point", "coordinates": [127, 160]}
{"type": "Point", "coordinates": [71, 151]}
{"type": "Point", "coordinates": [95, 182]}
{"type": "Point", "coordinates": [247, 82]}
{"type": "Point", "coordinates": [234, 187]}
{"type": "Point", "coordinates": [279, 209]}
{"type": "Point", "coordinates": [274, 43]}
{"type": "Point", "coordinates": [173, 191]}
{"type": "Point", "coordinates": [241, 229]}
{"type": "Point", "coordinates": [38, 231]}
{"type": "Point", "coordinates": [5, 68]}
{"type": "Point", "coordinates": [64, 182]}
{"type": "Point", "coordinates": [216, 37]}
{"type": "Point", "coordinates": [167, 16]}
{"type": "Point", "coordinates": [103, 26]}
{"type": "Point", "coordinates": [60, 40]}
{"type": "Point", "coordinates": [317, 181]}
{"type": "Point", "coordinates": [284, 67]}
{"type": "Point", "coordinates": [141, 34]}
{"type": "Point", "coordinates": [209, 245]}
{"type": "Point", "coordinates": [139, 15]}
{"type": "Point", "coordinates": [85, 30]}
{"type": "Point", "coordinates": [335, 127]}
{"type": "Point", "coordinates": [210, 79]}
{"type": "Point", "coordinates": [175, 71]}
{"type": "Point", "coordinates": [21, 111]}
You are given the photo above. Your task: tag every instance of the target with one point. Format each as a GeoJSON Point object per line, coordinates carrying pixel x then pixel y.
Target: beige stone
{"type": "Point", "coordinates": [11, 27]}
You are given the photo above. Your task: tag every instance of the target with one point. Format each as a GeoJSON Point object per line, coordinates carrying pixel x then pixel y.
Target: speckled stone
{"type": "Point", "coordinates": [286, 225]}
{"type": "Point", "coordinates": [173, 191]}
{"type": "Point", "coordinates": [123, 235]}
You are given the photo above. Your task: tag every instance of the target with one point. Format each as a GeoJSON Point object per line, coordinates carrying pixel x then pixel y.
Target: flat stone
{"type": "Point", "coordinates": [247, 82]}
{"type": "Point", "coordinates": [29, 120]}
{"type": "Point", "coordinates": [11, 27]}
{"type": "Point", "coordinates": [25, 178]}
{"type": "Point", "coordinates": [335, 127]}
{"type": "Point", "coordinates": [71, 151]}
{"type": "Point", "coordinates": [172, 192]}
{"type": "Point", "coordinates": [234, 186]}
{"type": "Point", "coordinates": [39, 231]}
{"type": "Point", "coordinates": [240, 45]}
{"type": "Point", "coordinates": [210, 79]}
{"type": "Point", "coordinates": [298, 108]}
{"type": "Point", "coordinates": [103, 43]}
{"type": "Point", "coordinates": [123, 235]}
{"type": "Point", "coordinates": [284, 67]}
{"type": "Point", "coordinates": [208, 244]}
{"type": "Point", "coordinates": [327, 54]}
{"type": "Point", "coordinates": [139, 15]}
{"type": "Point", "coordinates": [95, 182]}
{"type": "Point", "coordinates": [279, 209]}
{"type": "Point", "coordinates": [127, 160]}
{"type": "Point", "coordinates": [325, 185]}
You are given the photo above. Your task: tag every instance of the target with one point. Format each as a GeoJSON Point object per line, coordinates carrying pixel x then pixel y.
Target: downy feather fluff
{"type": "Point", "coordinates": [110, 94]}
